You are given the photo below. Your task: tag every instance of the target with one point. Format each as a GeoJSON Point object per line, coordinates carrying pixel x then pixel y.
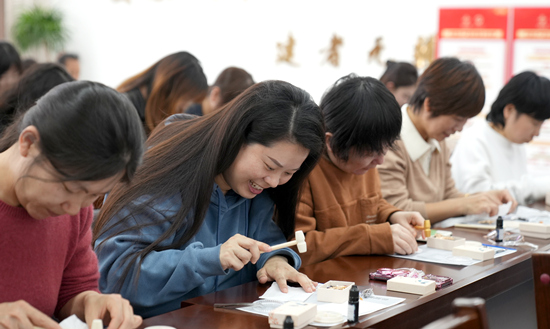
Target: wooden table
{"type": "Point", "coordinates": [485, 279]}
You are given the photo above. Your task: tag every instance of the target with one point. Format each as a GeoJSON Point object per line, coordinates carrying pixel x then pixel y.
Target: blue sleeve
{"type": "Point", "coordinates": [164, 275]}
{"type": "Point", "coordinates": [263, 228]}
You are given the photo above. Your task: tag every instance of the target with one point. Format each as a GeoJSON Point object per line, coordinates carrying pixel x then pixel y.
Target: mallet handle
{"type": "Point", "coordinates": [283, 245]}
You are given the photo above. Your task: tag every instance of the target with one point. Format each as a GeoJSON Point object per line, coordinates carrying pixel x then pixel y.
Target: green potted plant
{"type": "Point", "coordinates": [40, 29]}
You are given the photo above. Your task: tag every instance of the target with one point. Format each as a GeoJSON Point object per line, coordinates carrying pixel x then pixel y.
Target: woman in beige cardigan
{"type": "Point", "coordinates": [417, 174]}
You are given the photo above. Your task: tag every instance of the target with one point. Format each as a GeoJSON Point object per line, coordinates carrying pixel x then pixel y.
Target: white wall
{"type": "Point", "coordinates": [118, 38]}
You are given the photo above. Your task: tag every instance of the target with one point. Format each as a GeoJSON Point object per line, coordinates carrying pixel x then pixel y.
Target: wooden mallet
{"type": "Point", "coordinates": [300, 243]}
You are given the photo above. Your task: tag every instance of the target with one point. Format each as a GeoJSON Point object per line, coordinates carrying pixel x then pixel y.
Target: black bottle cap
{"type": "Point", "coordinates": [500, 222]}
{"type": "Point", "coordinates": [353, 294]}
{"type": "Point", "coordinates": [289, 323]}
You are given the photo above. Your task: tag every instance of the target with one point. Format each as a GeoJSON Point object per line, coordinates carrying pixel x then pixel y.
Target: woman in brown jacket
{"type": "Point", "coordinates": [341, 209]}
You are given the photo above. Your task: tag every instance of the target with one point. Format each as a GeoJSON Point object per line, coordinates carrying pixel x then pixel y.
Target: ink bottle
{"type": "Point", "coordinates": [500, 230]}
{"type": "Point", "coordinates": [353, 305]}
{"type": "Point", "coordinates": [288, 324]}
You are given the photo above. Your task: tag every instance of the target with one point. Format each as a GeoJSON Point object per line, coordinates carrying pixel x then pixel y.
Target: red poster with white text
{"type": "Point", "coordinates": [531, 41]}
{"type": "Point", "coordinates": [479, 35]}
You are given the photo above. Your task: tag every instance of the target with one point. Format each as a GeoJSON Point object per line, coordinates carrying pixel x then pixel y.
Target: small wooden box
{"type": "Point", "coordinates": [445, 243]}
{"type": "Point", "coordinates": [540, 230]}
{"type": "Point", "coordinates": [411, 285]}
{"type": "Point", "coordinates": [327, 292]}
{"type": "Point", "coordinates": [474, 250]}
{"type": "Point", "coordinates": [543, 227]}
{"type": "Point", "coordinates": [301, 313]}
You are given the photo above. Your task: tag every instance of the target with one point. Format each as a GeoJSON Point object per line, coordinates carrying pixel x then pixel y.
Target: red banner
{"type": "Point", "coordinates": [473, 23]}
{"type": "Point", "coordinates": [532, 23]}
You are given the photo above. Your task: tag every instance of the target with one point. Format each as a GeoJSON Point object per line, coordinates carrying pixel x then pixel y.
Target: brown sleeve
{"type": "Point", "coordinates": [393, 176]}
{"type": "Point", "coordinates": [385, 209]}
{"type": "Point", "coordinates": [361, 239]}
{"type": "Point", "coordinates": [451, 191]}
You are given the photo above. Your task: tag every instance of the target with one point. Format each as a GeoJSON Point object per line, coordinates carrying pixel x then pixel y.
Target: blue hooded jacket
{"type": "Point", "coordinates": [171, 276]}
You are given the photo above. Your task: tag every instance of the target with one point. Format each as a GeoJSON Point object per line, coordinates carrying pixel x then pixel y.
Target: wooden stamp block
{"type": "Point", "coordinates": [411, 285]}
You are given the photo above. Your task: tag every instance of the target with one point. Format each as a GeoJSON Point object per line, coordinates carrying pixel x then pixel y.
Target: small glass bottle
{"type": "Point", "coordinates": [500, 230]}
{"type": "Point", "coordinates": [353, 305]}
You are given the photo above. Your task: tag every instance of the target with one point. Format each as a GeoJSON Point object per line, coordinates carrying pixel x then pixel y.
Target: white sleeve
{"type": "Point", "coordinates": [527, 189]}
{"type": "Point", "coordinates": [471, 170]}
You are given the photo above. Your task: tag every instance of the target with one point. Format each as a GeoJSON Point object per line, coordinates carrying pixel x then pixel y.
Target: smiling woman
{"type": "Point", "coordinates": [196, 217]}
{"type": "Point", "coordinates": [75, 143]}
{"type": "Point", "coordinates": [417, 173]}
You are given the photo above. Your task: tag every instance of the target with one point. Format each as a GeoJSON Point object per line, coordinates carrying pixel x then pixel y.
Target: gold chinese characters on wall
{"type": "Point", "coordinates": [286, 51]}
{"type": "Point", "coordinates": [374, 54]}
{"type": "Point", "coordinates": [424, 52]}
{"type": "Point", "coordinates": [333, 51]}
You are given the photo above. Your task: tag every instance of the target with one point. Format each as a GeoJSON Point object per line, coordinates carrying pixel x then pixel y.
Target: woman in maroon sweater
{"type": "Point", "coordinates": [74, 144]}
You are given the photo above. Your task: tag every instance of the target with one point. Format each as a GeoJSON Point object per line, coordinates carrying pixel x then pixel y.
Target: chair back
{"type": "Point", "coordinates": [468, 313]}
{"type": "Point", "coordinates": [541, 280]}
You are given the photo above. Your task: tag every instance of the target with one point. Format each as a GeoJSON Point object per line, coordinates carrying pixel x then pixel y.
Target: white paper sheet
{"type": "Point", "coordinates": [510, 220]}
{"type": "Point", "coordinates": [366, 306]}
{"type": "Point", "coordinates": [293, 294]}
{"type": "Point", "coordinates": [73, 322]}
{"type": "Point", "coordinates": [439, 256]}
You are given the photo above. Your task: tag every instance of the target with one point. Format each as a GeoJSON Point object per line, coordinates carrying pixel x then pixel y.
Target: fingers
{"type": "Point", "coordinates": [239, 250]}
{"type": "Point", "coordinates": [401, 247]}
{"type": "Point", "coordinates": [40, 319]}
{"type": "Point", "coordinates": [262, 275]}
{"type": "Point", "coordinates": [404, 243]}
{"type": "Point", "coordinates": [493, 210]}
{"type": "Point", "coordinates": [136, 321]}
{"type": "Point", "coordinates": [249, 246]}
{"type": "Point", "coordinates": [113, 308]}
{"type": "Point", "coordinates": [397, 249]}
{"type": "Point", "coordinates": [514, 206]}
{"type": "Point", "coordinates": [507, 197]}
{"type": "Point", "coordinates": [281, 282]}
{"type": "Point", "coordinates": [305, 282]}
{"type": "Point", "coordinates": [280, 271]}
{"type": "Point", "coordinates": [21, 314]}
{"type": "Point", "coordinates": [116, 312]}
{"type": "Point", "coordinates": [416, 219]}
{"type": "Point", "coordinates": [493, 198]}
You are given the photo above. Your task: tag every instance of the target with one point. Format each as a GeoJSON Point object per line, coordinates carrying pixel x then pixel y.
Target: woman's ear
{"type": "Point", "coordinates": [28, 140]}
{"type": "Point", "coordinates": [328, 136]}
{"type": "Point", "coordinates": [215, 97]}
{"type": "Point", "coordinates": [426, 105]}
{"type": "Point", "coordinates": [390, 85]}
{"type": "Point", "coordinates": [508, 111]}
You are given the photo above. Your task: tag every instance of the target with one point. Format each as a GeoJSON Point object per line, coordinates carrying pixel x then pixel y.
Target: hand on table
{"type": "Point", "coordinates": [488, 202]}
{"type": "Point", "coordinates": [403, 231]}
{"type": "Point", "coordinates": [21, 315]}
{"type": "Point", "coordinates": [112, 309]}
{"type": "Point", "coordinates": [278, 269]}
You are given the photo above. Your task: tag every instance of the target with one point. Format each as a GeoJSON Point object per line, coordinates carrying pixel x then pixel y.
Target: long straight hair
{"type": "Point", "coordinates": [172, 78]}
{"type": "Point", "coordinates": [184, 157]}
{"type": "Point", "coordinates": [88, 132]}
